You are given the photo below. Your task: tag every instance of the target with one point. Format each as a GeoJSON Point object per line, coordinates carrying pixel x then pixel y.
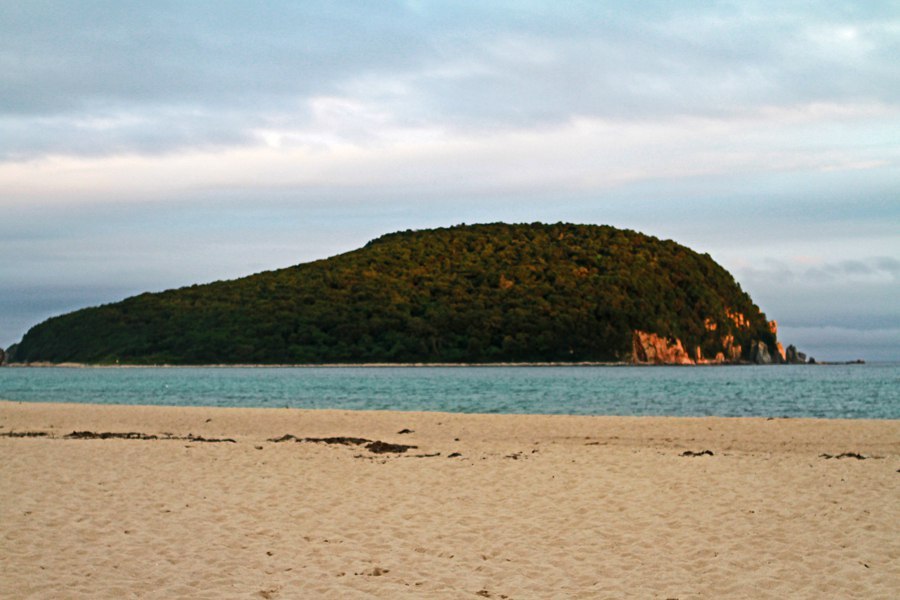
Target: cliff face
{"type": "Point", "coordinates": [650, 348]}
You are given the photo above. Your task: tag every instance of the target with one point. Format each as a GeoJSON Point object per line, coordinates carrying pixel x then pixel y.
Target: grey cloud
{"type": "Point", "coordinates": [149, 132]}
{"type": "Point", "coordinates": [843, 343]}
{"type": "Point", "coordinates": [880, 265]}
{"type": "Point", "coordinates": [888, 265]}
{"type": "Point", "coordinates": [206, 73]}
{"type": "Point", "coordinates": [67, 57]}
{"type": "Point", "coordinates": [847, 272]}
{"type": "Point", "coordinates": [108, 77]}
{"type": "Point", "coordinates": [659, 58]}
{"type": "Point", "coordinates": [855, 294]}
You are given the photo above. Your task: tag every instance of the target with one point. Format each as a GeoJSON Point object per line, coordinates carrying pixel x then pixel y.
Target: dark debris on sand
{"type": "Point", "coordinates": [24, 434]}
{"type": "Point", "coordinates": [378, 447]}
{"type": "Point", "coordinates": [199, 438]}
{"type": "Point", "coordinates": [343, 441]}
{"type": "Point", "coordinates": [374, 446]}
{"type": "Point", "coordinates": [134, 435]}
{"type": "Point", "coordinates": [855, 455]}
{"type": "Point", "coordinates": [701, 453]}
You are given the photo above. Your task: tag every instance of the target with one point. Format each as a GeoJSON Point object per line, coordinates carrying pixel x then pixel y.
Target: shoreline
{"type": "Point", "coordinates": [377, 365]}
{"type": "Point", "coordinates": [270, 415]}
{"type": "Point", "coordinates": [400, 411]}
{"type": "Point", "coordinates": [394, 411]}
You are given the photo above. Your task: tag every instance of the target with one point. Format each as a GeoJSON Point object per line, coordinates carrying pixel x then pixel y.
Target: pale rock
{"type": "Point", "coordinates": [731, 350]}
{"type": "Point", "coordinates": [759, 353]}
{"type": "Point", "coordinates": [649, 348]}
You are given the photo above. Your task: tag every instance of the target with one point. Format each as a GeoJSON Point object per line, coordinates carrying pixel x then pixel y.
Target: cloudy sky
{"type": "Point", "coordinates": [150, 145]}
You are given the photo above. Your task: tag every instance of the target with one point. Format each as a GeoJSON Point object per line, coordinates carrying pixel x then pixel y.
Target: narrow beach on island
{"type": "Point", "coordinates": [204, 503]}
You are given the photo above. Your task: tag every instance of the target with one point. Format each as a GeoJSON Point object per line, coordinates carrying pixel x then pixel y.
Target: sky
{"type": "Point", "coordinates": [151, 145]}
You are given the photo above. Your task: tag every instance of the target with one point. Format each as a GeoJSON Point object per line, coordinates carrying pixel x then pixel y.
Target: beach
{"type": "Point", "coordinates": [205, 503]}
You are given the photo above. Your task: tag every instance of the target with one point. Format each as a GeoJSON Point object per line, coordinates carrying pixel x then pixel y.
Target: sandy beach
{"type": "Point", "coordinates": [202, 503]}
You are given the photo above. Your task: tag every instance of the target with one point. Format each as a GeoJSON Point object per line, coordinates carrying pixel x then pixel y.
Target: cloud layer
{"type": "Point", "coordinates": [104, 78]}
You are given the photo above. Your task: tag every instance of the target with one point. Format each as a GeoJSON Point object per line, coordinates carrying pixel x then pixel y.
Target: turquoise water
{"type": "Point", "coordinates": [827, 391]}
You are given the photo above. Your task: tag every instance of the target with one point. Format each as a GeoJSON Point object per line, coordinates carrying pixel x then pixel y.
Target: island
{"type": "Point", "coordinates": [467, 294]}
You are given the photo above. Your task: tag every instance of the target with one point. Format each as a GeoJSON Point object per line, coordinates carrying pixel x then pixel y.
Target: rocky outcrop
{"type": "Point", "coordinates": [649, 348]}
{"type": "Point", "coordinates": [653, 349]}
{"type": "Point", "coordinates": [739, 320]}
{"type": "Point", "coordinates": [781, 357]}
{"type": "Point", "coordinates": [759, 353]}
{"type": "Point", "coordinates": [2, 357]}
{"type": "Point", "coordinates": [731, 352]}
{"type": "Point", "coordinates": [794, 357]}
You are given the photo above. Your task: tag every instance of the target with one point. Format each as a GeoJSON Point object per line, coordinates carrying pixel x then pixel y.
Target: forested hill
{"type": "Point", "coordinates": [471, 293]}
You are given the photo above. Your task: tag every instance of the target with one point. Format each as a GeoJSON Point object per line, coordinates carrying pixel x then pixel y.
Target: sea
{"type": "Point", "coordinates": [859, 391]}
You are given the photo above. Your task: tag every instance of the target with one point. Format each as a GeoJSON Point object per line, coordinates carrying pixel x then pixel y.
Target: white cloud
{"type": "Point", "coordinates": [155, 78]}
{"type": "Point", "coordinates": [348, 143]}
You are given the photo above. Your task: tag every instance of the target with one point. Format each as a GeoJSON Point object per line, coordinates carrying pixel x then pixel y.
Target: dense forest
{"type": "Point", "coordinates": [476, 294]}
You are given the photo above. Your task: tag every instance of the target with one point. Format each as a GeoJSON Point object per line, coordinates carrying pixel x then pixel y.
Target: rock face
{"type": "Point", "coordinates": [779, 357]}
{"type": "Point", "coordinates": [649, 348]}
{"type": "Point", "coordinates": [731, 352]}
{"type": "Point", "coordinates": [759, 353]}
{"type": "Point", "coordinates": [793, 357]}
{"type": "Point", "coordinates": [2, 357]}
{"type": "Point", "coordinates": [652, 349]}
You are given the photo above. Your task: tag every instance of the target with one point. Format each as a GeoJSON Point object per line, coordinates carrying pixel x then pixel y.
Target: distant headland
{"type": "Point", "coordinates": [469, 294]}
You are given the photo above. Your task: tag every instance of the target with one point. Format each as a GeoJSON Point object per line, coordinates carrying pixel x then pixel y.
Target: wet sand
{"type": "Point", "coordinates": [201, 503]}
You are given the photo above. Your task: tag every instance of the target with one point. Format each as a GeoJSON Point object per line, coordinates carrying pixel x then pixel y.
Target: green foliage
{"type": "Point", "coordinates": [480, 293]}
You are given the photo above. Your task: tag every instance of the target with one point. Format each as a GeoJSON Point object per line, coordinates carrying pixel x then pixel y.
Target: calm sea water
{"type": "Point", "coordinates": [828, 391]}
